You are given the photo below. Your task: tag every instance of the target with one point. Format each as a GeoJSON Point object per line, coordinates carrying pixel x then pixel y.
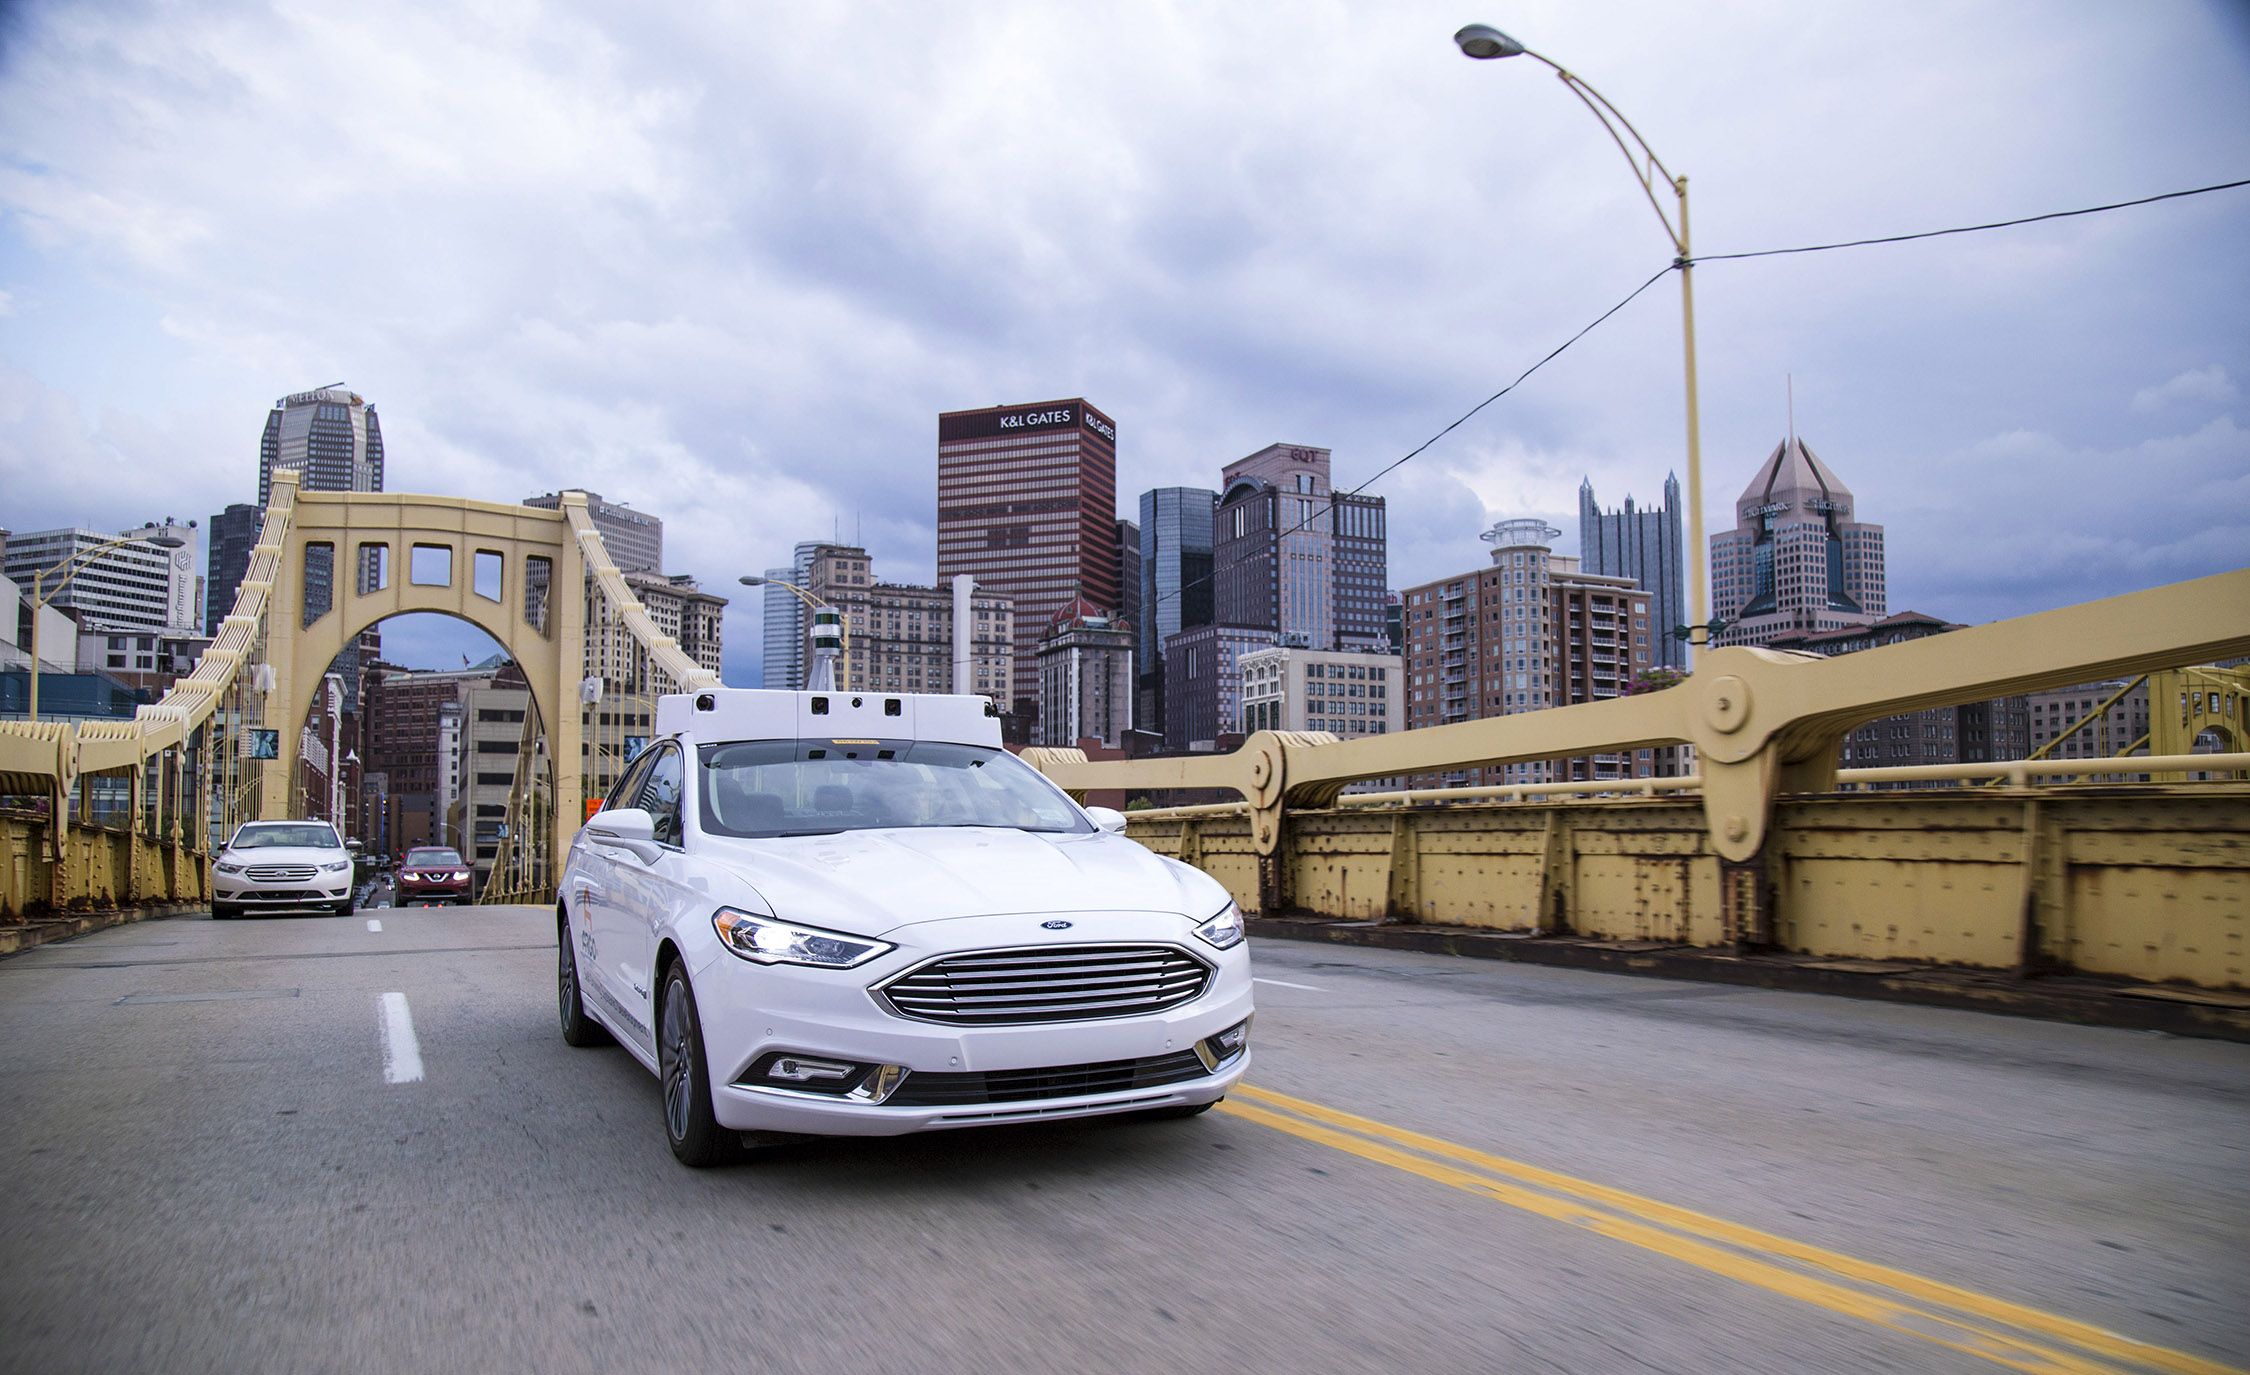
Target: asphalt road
{"type": "Point", "coordinates": [218, 1157]}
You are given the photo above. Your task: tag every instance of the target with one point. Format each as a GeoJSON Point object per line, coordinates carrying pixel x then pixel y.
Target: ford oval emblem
{"type": "Point", "coordinates": [1056, 925]}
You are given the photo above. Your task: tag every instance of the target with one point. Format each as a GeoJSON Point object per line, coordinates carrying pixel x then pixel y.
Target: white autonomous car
{"type": "Point", "coordinates": [855, 914]}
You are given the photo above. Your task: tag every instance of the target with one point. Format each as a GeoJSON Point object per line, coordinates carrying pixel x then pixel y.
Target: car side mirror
{"type": "Point", "coordinates": [626, 828]}
{"type": "Point", "coordinates": [1108, 819]}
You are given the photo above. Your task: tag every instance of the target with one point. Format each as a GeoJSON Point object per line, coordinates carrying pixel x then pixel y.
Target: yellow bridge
{"type": "Point", "coordinates": [2021, 866]}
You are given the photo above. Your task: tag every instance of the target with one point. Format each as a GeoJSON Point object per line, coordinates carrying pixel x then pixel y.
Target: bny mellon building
{"type": "Point", "coordinates": [1796, 562]}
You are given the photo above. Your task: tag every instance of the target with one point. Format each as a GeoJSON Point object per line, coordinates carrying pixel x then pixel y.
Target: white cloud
{"type": "Point", "coordinates": [2206, 386]}
{"type": "Point", "coordinates": [728, 265]}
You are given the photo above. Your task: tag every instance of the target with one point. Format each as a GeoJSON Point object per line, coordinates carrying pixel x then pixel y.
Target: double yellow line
{"type": "Point", "coordinates": [2006, 1333]}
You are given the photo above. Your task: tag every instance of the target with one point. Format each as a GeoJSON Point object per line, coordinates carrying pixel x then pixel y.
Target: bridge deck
{"type": "Point", "coordinates": [209, 1169]}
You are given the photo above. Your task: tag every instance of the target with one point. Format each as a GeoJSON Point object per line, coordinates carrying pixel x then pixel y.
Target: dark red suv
{"type": "Point", "coordinates": [430, 873]}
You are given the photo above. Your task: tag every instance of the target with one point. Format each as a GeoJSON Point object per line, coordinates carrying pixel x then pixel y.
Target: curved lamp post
{"type": "Point", "coordinates": [815, 605]}
{"type": "Point", "coordinates": [162, 539]}
{"type": "Point", "coordinates": [1484, 42]}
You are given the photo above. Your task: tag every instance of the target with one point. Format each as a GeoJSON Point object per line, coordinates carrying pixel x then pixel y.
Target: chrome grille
{"type": "Point", "coordinates": [1052, 983]}
{"type": "Point", "coordinates": [282, 873]}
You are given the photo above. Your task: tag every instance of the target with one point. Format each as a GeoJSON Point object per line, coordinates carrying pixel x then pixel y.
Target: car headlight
{"type": "Point", "coordinates": [227, 867]}
{"type": "Point", "coordinates": [762, 940]}
{"type": "Point", "coordinates": [336, 868]}
{"type": "Point", "coordinates": [1224, 930]}
{"type": "Point", "coordinates": [460, 874]}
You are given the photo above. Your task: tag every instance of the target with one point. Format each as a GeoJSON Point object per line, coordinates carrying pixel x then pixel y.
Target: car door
{"type": "Point", "coordinates": [644, 890]}
{"type": "Point", "coordinates": [597, 870]}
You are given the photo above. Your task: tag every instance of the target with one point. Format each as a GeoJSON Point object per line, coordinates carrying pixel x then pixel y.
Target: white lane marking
{"type": "Point", "coordinates": [374, 925]}
{"type": "Point", "coordinates": [402, 1054]}
{"type": "Point", "coordinates": [1284, 983]}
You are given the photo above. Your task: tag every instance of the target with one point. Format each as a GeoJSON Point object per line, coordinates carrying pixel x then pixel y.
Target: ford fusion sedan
{"type": "Point", "coordinates": [282, 865]}
{"type": "Point", "coordinates": [432, 873]}
{"type": "Point", "coordinates": [821, 913]}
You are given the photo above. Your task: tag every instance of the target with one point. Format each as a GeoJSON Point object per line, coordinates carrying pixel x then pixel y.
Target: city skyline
{"type": "Point", "coordinates": [1211, 290]}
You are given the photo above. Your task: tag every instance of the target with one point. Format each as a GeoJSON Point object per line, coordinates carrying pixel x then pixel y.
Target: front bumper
{"type": "Point", "coordinates": [319, 890]}
{"type": "Point", "coordinates": [749, 1012]}
{"type": "Point", "coordinates": [431, 892]}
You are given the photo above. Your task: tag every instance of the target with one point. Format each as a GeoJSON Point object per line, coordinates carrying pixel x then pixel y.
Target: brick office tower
{"type": "Point", "coordinates": [1027, 505]}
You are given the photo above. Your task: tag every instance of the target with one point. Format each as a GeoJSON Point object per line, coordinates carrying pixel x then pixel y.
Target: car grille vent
{"type": "Point", "coordinates": [925, 1090]}
{"type": "Point", "coordinates": [282, 873]}
{"type": "Point", "coordinates": [1053, 983]}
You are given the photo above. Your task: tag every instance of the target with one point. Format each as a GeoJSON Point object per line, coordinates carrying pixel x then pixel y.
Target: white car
{"type": "Point", "coordinates": [828, 913]}
{"type": "Point", "coordinates": [282, 864]}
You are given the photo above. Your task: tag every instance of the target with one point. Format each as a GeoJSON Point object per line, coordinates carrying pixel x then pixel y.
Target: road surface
{"type": "Point", "coordinates": [359, 1144]}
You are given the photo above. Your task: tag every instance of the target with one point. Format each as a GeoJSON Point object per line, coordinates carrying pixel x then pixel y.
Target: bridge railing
{"type": "Point", "coordinates": [1767, 730]}
{"type": "Point", "coordinates": [117, 812]}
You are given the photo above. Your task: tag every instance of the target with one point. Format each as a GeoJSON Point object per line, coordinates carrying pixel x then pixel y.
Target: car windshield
{"type": "Point", "coordinates": [816, 787]}
{"type": "Point", "coordinates": [311, 835]}
{"type": "Point", "coordinates": [433, 859]}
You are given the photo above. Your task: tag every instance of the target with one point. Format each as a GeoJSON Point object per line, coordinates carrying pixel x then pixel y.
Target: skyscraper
{"type": "Point", "coordinates": [1027, 504]}
{"type": "Point", "coordinates": [1528, 631]}
{"type": "Point", "coordinates": [783, 664]}
{"type": "Point", "coordinates": [1128, 607]}
{"type": "Point", "coordinates": [1291, 555]}
{"type": "Point", "coordinates": [634, 539]}
{"type": "Point", "coordinates": [331, 436]}
{"type": "Point", "coordinates": [333, 440]}
{"type": "Point", "coordinates": [1175, 566]}
{"type": "Point", "coordinates": [1644, 546]}
{"type": "Point", "coordinates": [1795, 561]}
{"type": "Point", "coordinates": [137, 586]}
{"type": "Point", "coordinates": [233, 534]}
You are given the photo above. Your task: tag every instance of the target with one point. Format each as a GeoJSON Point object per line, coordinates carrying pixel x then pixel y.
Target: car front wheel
{"type": "Point", "coordinates": [690, 1126]}
{"type": "Point", "coordinates": [224, 911]}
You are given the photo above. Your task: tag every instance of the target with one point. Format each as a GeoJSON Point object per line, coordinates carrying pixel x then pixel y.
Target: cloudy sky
{"type": "Point", "coordinates": [729, 263]}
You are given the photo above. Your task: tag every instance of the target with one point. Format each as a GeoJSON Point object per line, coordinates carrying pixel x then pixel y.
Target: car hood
{"type": "Point", "coordinates": [284, 854]}
{"type": "Point", "coordinates": [869, 882]}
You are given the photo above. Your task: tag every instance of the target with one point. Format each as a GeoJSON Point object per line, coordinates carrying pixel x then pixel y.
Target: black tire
{"type": "Point", "coordinates": [690, 1127]}
{"type": "Point", "coordinates": [346, 907]}
{"type": "Point", "coordinates": [578, 1029]}
{"type": "Point", "coordinates": [1178, 1111]}
{"type": "Point", "coordinates": [224, 911]}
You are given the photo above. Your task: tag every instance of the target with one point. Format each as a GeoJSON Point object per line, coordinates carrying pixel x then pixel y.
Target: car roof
{"type": "Point", "coordinates": [765, 714]}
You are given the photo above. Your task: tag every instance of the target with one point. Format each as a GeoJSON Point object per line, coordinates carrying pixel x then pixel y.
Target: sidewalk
{"type": "Point", "coordinates": [2174, 1008]}
{"type": "Point", "coordinates": [21, 935]}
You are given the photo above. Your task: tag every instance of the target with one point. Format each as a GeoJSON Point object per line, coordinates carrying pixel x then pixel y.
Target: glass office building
{"type": "Point", "coordinates": [1175, 578]}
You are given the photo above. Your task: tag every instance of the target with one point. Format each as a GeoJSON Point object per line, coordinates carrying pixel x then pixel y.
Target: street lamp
{"type": "Point", "coordinates": [1484, 42]}
{"type": "Point", "coordinates": [162, 539]}
{"type": "Point", "coordinates": [828, 623]}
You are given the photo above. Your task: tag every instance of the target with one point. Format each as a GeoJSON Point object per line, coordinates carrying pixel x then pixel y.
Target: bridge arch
{"type": "Point", "coordinates": [515, 572]}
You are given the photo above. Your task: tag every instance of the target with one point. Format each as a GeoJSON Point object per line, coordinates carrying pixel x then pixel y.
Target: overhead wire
{"type": "Point", "coordinates": [1458, 421]}
{"type": "Point", "coordinates": [1971, 228]}
{"type": "Point", "coordinates": [1675, 265]}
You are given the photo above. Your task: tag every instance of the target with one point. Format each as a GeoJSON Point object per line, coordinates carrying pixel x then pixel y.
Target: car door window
{"type": "Point", "coordinates": [622, 793]}
{"type": "Point", "coordinates": [660, 796]}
